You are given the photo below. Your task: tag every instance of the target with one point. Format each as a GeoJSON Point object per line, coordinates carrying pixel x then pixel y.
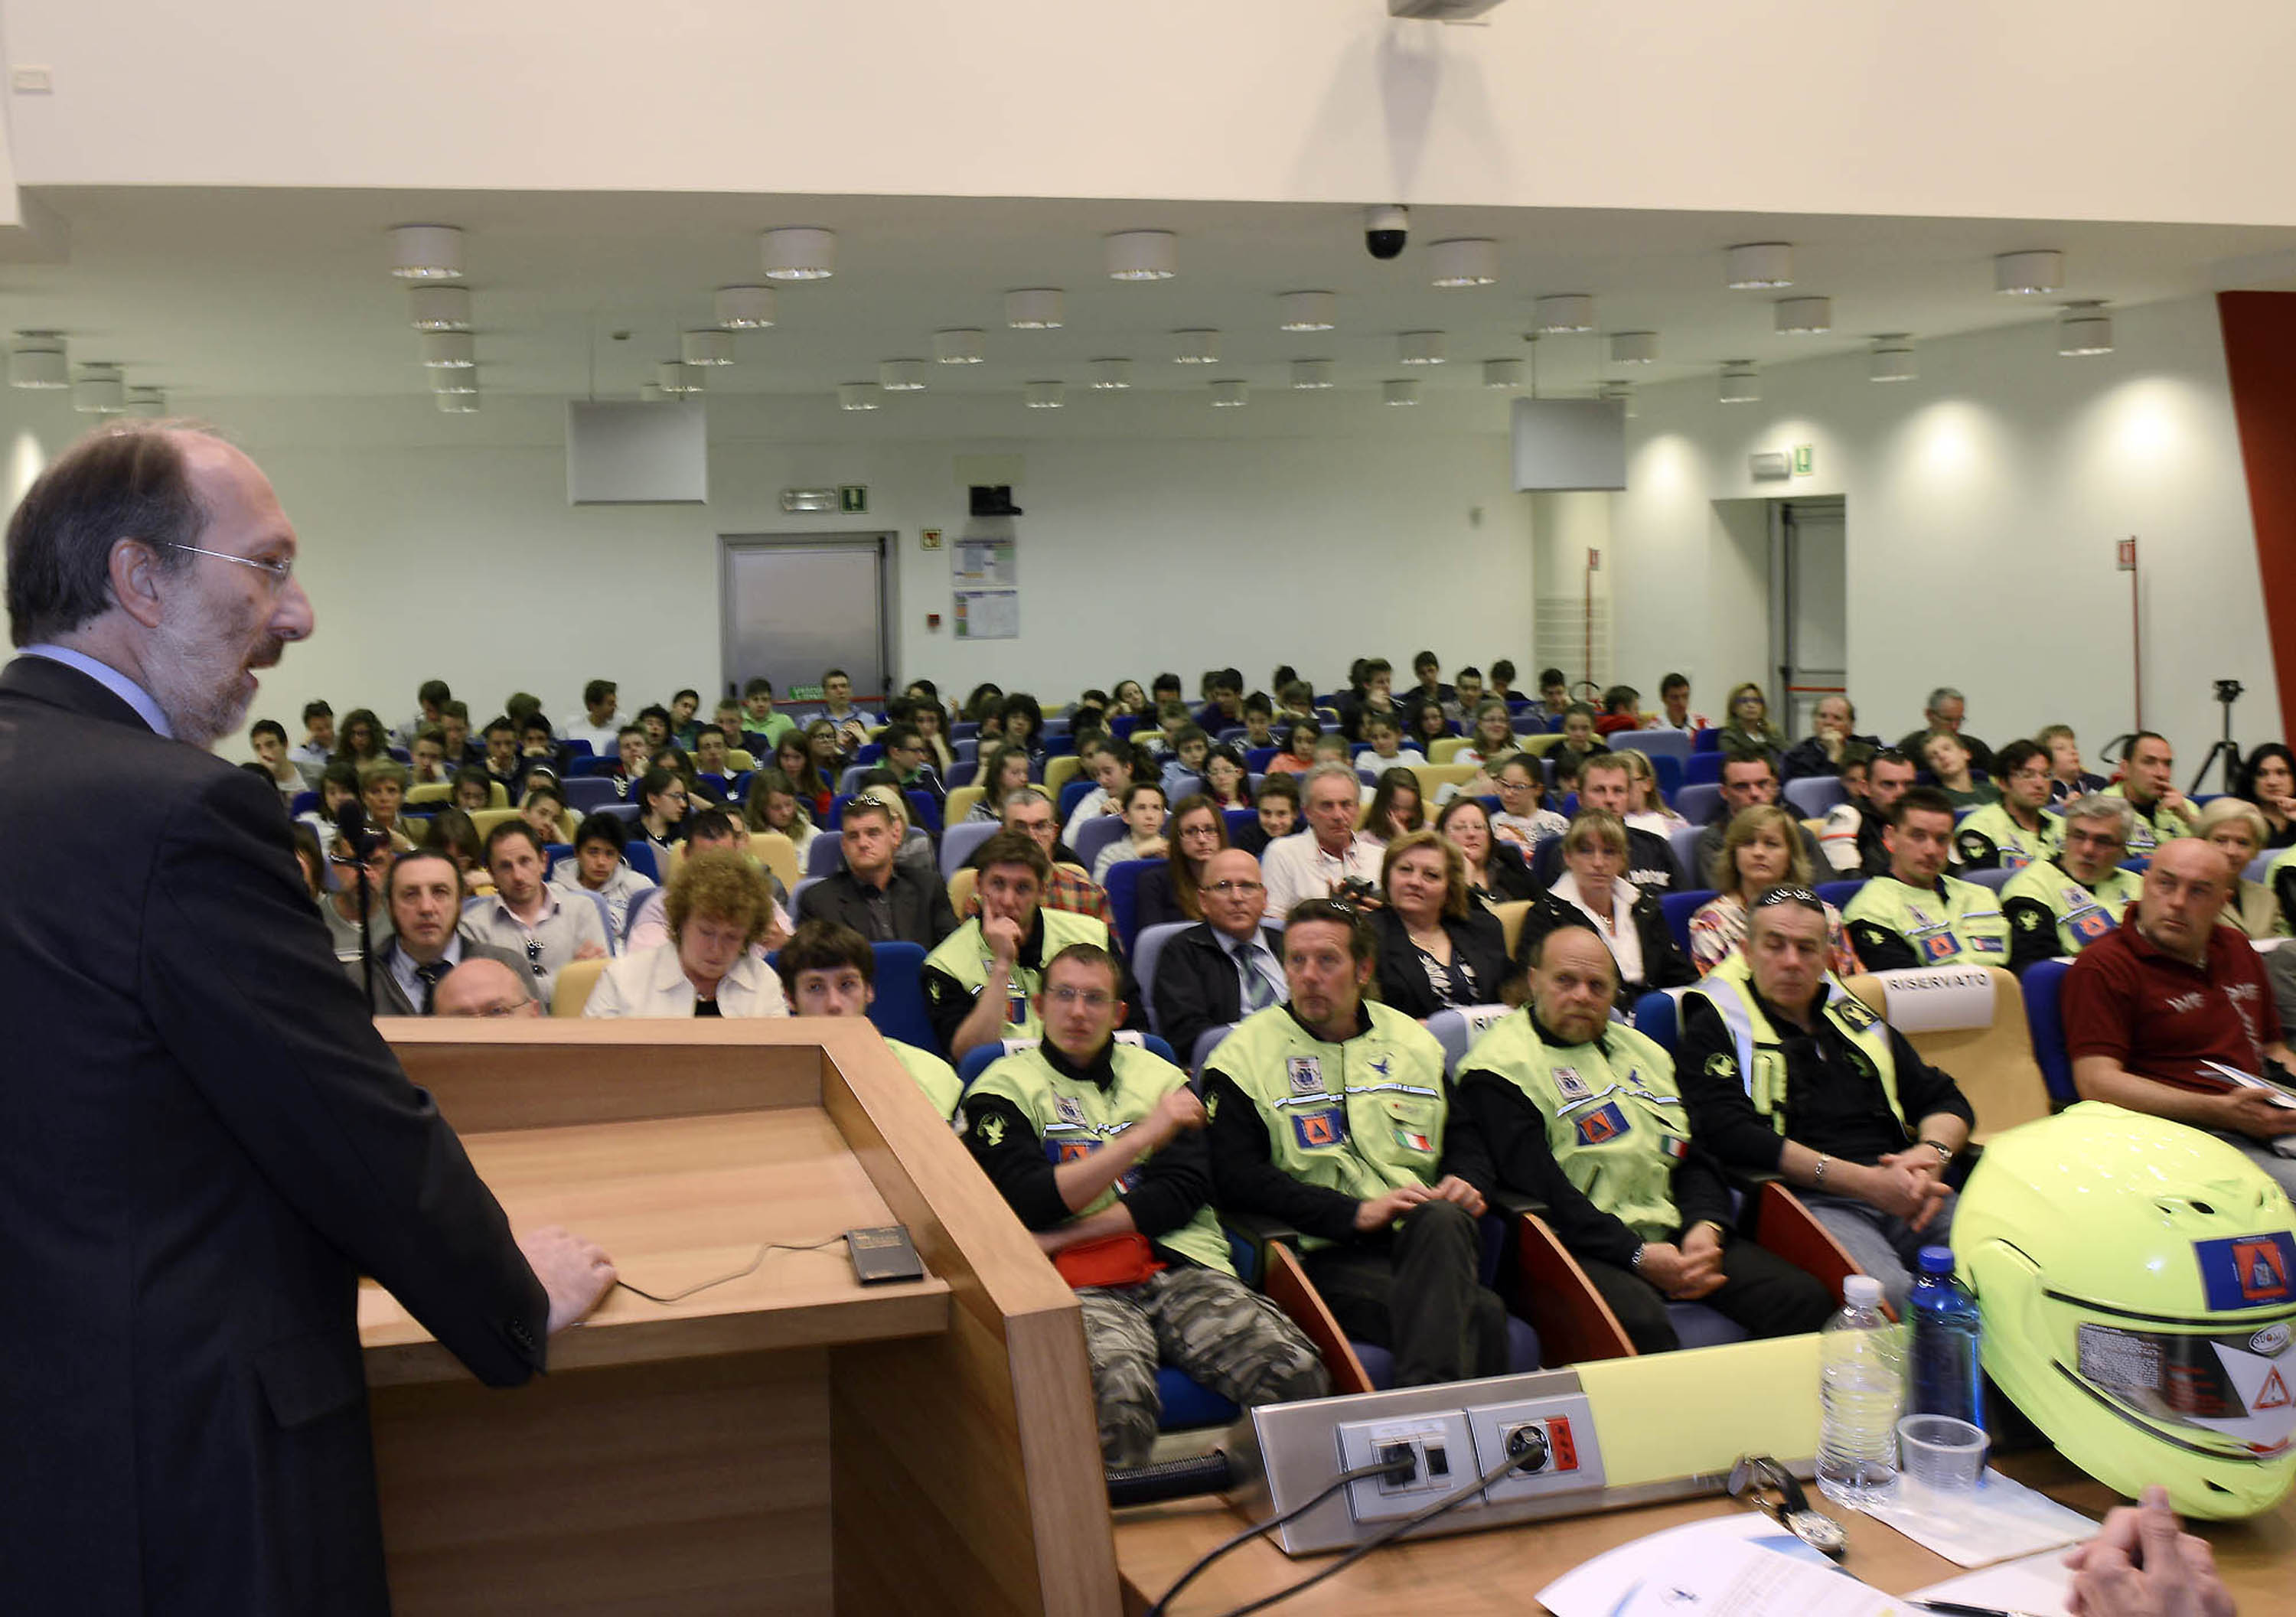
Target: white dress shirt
{"type": "Point", "coordinates": [1296, 868]}
{"type": "Point", "coordinates": [654, 984]}
{"type": "Point", "coordinates": [1617, 928]}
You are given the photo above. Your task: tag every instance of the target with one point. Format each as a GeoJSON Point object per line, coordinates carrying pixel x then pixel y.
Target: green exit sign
{"type": "Point", "coordinates": [853, 498]}
{"type": "Point", "coordinates": [1804, 459]}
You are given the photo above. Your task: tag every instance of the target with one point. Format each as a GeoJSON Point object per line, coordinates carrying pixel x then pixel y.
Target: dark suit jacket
{"type": "Point", "coordinates": [921, 910]}
{"type": "Point", "coordinates": [208, 1142]}
{"type": "Point", "coordinates": [1664, 964]}
{"type": "Point", "coordinates": [391, 1000]}
{"type": "Point", "coordinates": [1477, 938]}
{"type": "Point", "coordinates": [1153, 901]}
{"type": "Point", "coordinates": [1196, 987]}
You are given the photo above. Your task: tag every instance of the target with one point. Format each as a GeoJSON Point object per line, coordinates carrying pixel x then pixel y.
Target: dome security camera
{"type": "Point", "coordinates": [1386, 227]}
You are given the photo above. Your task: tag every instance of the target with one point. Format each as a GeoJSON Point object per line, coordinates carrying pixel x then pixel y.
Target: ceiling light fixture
{"type": "Point", "coordinates": [1420, 348]}
{"type": "Point", "coordinates": [2028, 273]}
{"type": "Point", "coordinates": [1228, 395]}
{"type": "Point", "coordinates": [744, 308]}
{"type": "Point", "coordinates": [100, 389]}
{"type": "Point", "coordinates": [1142, 255]}
{"type": "Point", "coordinates": [457, 404]}
{"type": "Point", "coordinates": [426, 252]}
{"type": "Point", "coordinates": [1044, 395]}
{"type": "Point", "coordinates": [1398, 393]}
{"type": "Point", "coordinates": [1740, 382]}
{"type": "Point", "coordinates": [1195, 347]}
{"type": "Point", "coordinates": [2083, 328]}
{"type": "Point", "coordinates": [967, 345]}
{"type": "Point", "coordinates": [1804, 316]}
{"type": "Point", "coordinates": [678, 380]}
{"type": "Point", "coordinates": [1502, 373]}
{"type": "Point", "coordinates": [439, 307]}
{"type": "Point", "coordinates": [1034, 308]}
{"type": "Point", "coordinates": [1306, 311]}
{"type": "Point", "coordinates": [1110, 375]}
{"type": "Point", "coordinates": [1563, 312]}
{"type": "Point", "coordinates": [1634, 348]}
{"type": "Point", "coordinates": [1464, 261]}
{"type": "Point", "coordinates": [903, 375]}
{"type": "Point", "coordinates": [798, 254]}
{"type": "Point", "coordinates": [1309, 376]}
{"type": "Point", "coordinates": [36, 359]}
{"type": "Point", "coordinates": [149, 404]}
{"type": "Point", "coordinates": [707, 346]}
{"type": "Point", "coordinates": [465, 380]}
{"type": "Point", "coordinates": [449, 350]}
{"type": "Point", "coordinates": [859, 396]}
{"type": "Point", "coordinates": [1892, 358]}
{"type": "Point", "coordinates": [1756, 266]}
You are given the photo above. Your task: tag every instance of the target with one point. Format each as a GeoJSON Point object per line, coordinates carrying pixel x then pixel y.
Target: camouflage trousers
{"type": "Point", "coordinates": [1210, 1328]}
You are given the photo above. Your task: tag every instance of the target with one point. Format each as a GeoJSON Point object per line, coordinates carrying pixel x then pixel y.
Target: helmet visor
{"type": "Point", "coordinates": [2232, 1393]}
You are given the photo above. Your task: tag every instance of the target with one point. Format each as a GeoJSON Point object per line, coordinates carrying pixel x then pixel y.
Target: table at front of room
{"type": "Point", "coordinates": [1488, 1575]}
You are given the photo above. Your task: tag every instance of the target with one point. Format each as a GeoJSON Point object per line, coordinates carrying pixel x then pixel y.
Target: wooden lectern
{"type": "Point", "coordinates": [788, 1441]}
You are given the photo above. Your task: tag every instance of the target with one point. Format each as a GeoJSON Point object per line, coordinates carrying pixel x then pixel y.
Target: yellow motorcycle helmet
{"type": "Point", "coordinates": [2137, 1282]}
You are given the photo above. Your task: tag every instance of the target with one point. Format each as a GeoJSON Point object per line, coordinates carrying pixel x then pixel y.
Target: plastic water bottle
{"type": "Point", "coordinates": [1861, 1387]}
{"type": "Point", "coordinates": [1945, 1378]}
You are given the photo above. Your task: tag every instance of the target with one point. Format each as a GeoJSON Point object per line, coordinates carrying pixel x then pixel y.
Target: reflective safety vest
{"type": "Point", "coordinates": [1361, 1118]}
{"type": "Point", "coordinates": [1614, 1120]}
{"type": "Point", "coordinates": [1760, 1062]}
{"type": "Point", "coordinates": [1991, 836]}
{"type": "Point", "coordinates": [2084, 914]}
{"type": "Point", "coordinates": [933, 1075]}
{"type": "Point", "coordinates": [2151, 826]}
{"type": "Point", "coordinates": [1960, 923]}
{"type": "Point", "coordinates": [1076, 1117]}
{"type": "Point", "coordinates": [964, 955]}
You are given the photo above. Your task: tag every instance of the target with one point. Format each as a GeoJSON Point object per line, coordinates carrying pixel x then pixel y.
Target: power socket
{"type": "Point", "coordinates": [1556, 1432]}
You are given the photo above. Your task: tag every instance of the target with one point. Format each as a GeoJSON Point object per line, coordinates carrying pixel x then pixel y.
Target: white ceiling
{"type": "Point", "coordinates": [256, 293]}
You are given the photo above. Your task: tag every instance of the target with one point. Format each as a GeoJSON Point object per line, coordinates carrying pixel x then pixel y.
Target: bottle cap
{"type": "Point", "coordinates": [1861, 1291]}
{"type": "Point", "coordinates": [1937, 1261]}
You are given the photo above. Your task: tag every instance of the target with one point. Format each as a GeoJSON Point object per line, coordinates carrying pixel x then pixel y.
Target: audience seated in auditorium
{"type": "Point", "coordinates": [911, 762]}
{"type": "Point", "coordinates": [428, 939]}
{"type": "Point", "coordinates": [1066, 888]}
{"type": "Point", "coordinates": [525, 916]}
{"type": "Point", "coordinates": [1674, 704]}
{"type": "Point", "coordinates": [1394, 809]}
{"type": "Point", "coordinates": [455, 724]}
{"type": "Point", "coordinates": [762, 728]}
{"type": "Point", "coordinates": [1384, 731]}
{"type": "Point", "coordinates": [1748, 728]}
{"type": "Point", "coordinates": [1496, 873]}
{"type": "Point", "coordinates": [1594, 891]}
{"type": "Point", "coordinates": [1328, 856]}
{"type": "Point", "coordinates": [362, 739]}
{"type": "Point", "coordinates": [1832, 730]}
{"type": "Point", "coordinates": [1226, 968]}
{"type": "Point", "coordinates": [1103, 760]}
{"type": "Point", "coordinates": [339, 908]}
{"type": "Point", "coordinates": [1258, 721]}
{"type": "Point", "coordinates": [1299, 755]}
{"type": "Point", "coordinates": [718, 910]}
{"type": "Point", "coordinates": [1226, 781]}
{"type": "Point", "coordinates": [2148, 780]}
{"type": "Point", "coordinates": [1554, 696]}
{"type": "Point", "coordinates": [1580, 742]}
{"type": "Point", "coordinates": [1585, 1115]}
{"type": "Point", "coordinates": [1852, 840]}
{"type": "Point", "coordinates": [663, 798]}
{"type": "Point", "coordinates": [875, 894]}
{"type": "Point", "coordinates": [1427, 685]}
{"type": "Point", "coordinates": [1785, 1071]}
{"type": "Point", "coordinates": [503, 763]}
{"type": "Point", "coordinates": [1436, 946]}
{"type": "Point", "coordinates": [1748, 777]}
{"type": "Point", "coordinates": [427, 758]}
{"type": "Point", "coordinates": [1223, 708]}
{"type": "Point", "coordinates": [1168, 891]}
{"type": "Point", "coordinates": [1948, 758]}
{"type": "Point", "coordinates": [1332, 1114]}
{"type": "Point", "coordinates": [268, 739]}
{"type": "Point", "coordinates": [1275, 807]}
{"type": "Point", "coordinates": [1606, 783]}
{"type": "Point", "coordinates": [1503, 680]}
{"type": "Point", "coordinates": [1622, 709]}
{"type": "Point", "coordinates": [2267, 779]}
{"type": "Point", "coordinates": [317, 748]}
{"type": "Point", "coordinates": [1647, 808]}
{"type": "Point", "coordinates": [828, 970]}
{"type": "Point", "coordinates": [2148, 1006]}
{"type": "Point", "coordinates": [2237, 829]}
{"type": "Point", "coordinates": [713, 750]}
{"type": "Point", "coordinates": [1946, 709]}
{"type": "Point", "coordinates": [980, 983]}
{"type": "Point", "coordinates": [544, 807]}
{"type": "Point", "coordinates": [711, 831]}
{"type": "Point", "coordinates": [2057, 907]}
{"type": "Point", "coordinates": [1916, 914]}
{"type": "Point", "coordinates": [2067, 776]}
{"type": "Point", "coordinates": [1183, 767]}
{"type": "Point", "coordinates": [1492, 740]}
{"type": "Point", "coordinates": [601, 699]}
{"type": "Point", "coordinates": [2015, 826]}
{"type": "Point", "coordinates": [1760, 851]}
{"type": "Point", "coordinates": [850, 723]}
{"type": "Point", "coordinates": [483, 986]}
{"type": "Point", "coordinates": [1098, 1147]}
{"type": "Point", "coordinates": [598, 868]}
{"type": "Point", "coordinates": [1523, 819]}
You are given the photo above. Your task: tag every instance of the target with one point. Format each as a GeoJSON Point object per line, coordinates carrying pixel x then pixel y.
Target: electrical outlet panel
{"type": "Point", "coordinates": [1557, 1432]}
{"type": "Point", "coordinates": [1442, 1455]}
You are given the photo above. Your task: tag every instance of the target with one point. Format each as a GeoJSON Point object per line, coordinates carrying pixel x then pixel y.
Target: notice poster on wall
{"type": "Point", "coordinates": [984, 564]}
{"type": "Point", "coordinates": [987, 614]}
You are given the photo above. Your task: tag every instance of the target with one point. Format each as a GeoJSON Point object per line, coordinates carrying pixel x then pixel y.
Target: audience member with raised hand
{"type": "Point", "coordinates": [1522, 818]}
{"type": "Point", "coordinates": [1330, 1114]}
{"type": "Point", "coordinates": [526, 917]}
{"type": "Point", "coordinates": [664, 801]}
{"type": "Point", "coordinates": [2267, 779]}
{"type": "Point", "coordinates": [1328, 856]}
{"type": "Point", "coordinates": [1785, 1071]}
{"type": "Point", "coordinates": [1832, 732]}
{"type": "Point", "coordinates": [1395, 809]}
{"type": "Point", "coordinates": [1594, 891]}
{"type": "Point", "coordinates": [981, 982]}
{"type": "Point", "coordinates": [267, 737]}
{"type": "Point", "coordinates": [718, 909]}
{"type": "Point", "coordinates": [1946, 710]}
{"type": "Point", "coordinates": [361, 738]}
{"type": "Point", "coordinates": [1853, 840]}
{"type": "Point", "coordinates": [1758, 852]}
{"type": "Point", "coordinates": [829, 969]}
{"type": "Point", "coordinates": [2237, 829]}
{"type": "Point", "coordinates": [598, 868]}
{"type": "Point", "coordinates": [1916, 914]}
{"type": "Point", "coordinates": [426, 938]}
{"type": "Point", "coordinates": [2149, 1005]}
{"type": "Point", "coordinates": [1606, 783]}
{"type": "Point", "coordinates": [1948, 760]}
{"type": "Point", "coordinates": [1144, 815]}
{"type": "Point", "coordinates": [317, 748]}
{"type": "Point", "coordinates": [1747, 726]}
{"type": "Point", "coordinates": [1276, 813]}
{"type": "Point", "coordinates": [1436, 946]}
{"type": "Point", "coordinates": [1646, 809]}
{"type": "Point", "coordinates": [1583, 1114]}
{"type": "Point", "coordinates": [1674, 708]}
{"type": "Point", "coordinates": [1169, 893]}
{"type": "Point", "coordinates": [876, 895]}
{"type": "Point", "coordinates": [2016, 827]}
{"type": "Point", "coordinates": [2059, 905]}
{"type": "Point", "coordinates": [1496, 872]}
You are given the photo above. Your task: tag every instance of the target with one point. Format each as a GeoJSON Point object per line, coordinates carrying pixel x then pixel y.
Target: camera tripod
{"type": "Point", "coordinates": [2229, 691]}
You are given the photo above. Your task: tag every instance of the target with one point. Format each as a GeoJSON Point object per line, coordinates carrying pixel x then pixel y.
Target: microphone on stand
{"type": "Point", "coordinates": [351, 824]}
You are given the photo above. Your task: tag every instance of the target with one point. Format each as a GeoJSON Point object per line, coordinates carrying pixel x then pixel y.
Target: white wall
{"type": "Point", "coordinates": [2034, 109]}
{"type": "Point", "coordinates": [1983, 501]}
{"type": "Point", "coordinates": [1321, 528]}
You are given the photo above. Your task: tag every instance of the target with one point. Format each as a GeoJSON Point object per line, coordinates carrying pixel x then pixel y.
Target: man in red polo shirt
{"type": "Point", "coordinates": [2147, 1005]}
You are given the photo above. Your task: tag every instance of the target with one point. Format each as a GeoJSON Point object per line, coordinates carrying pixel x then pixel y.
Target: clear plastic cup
{"type": "Point", "coordinates": [1941, 1453]}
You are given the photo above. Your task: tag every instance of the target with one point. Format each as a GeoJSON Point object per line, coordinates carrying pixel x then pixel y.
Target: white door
{"type": "Point", "coordinates": [796, 606]}
{"type": "Point", "coordinates": [1809, 609]}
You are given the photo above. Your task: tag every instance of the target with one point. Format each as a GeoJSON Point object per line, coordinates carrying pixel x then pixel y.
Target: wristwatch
{"type": "Point", "coordinates": [1945, 1152]}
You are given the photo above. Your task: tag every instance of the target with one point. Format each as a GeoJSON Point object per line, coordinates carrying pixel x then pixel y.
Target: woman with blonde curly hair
{"type": "Point", "coordinates": [718, 907]}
